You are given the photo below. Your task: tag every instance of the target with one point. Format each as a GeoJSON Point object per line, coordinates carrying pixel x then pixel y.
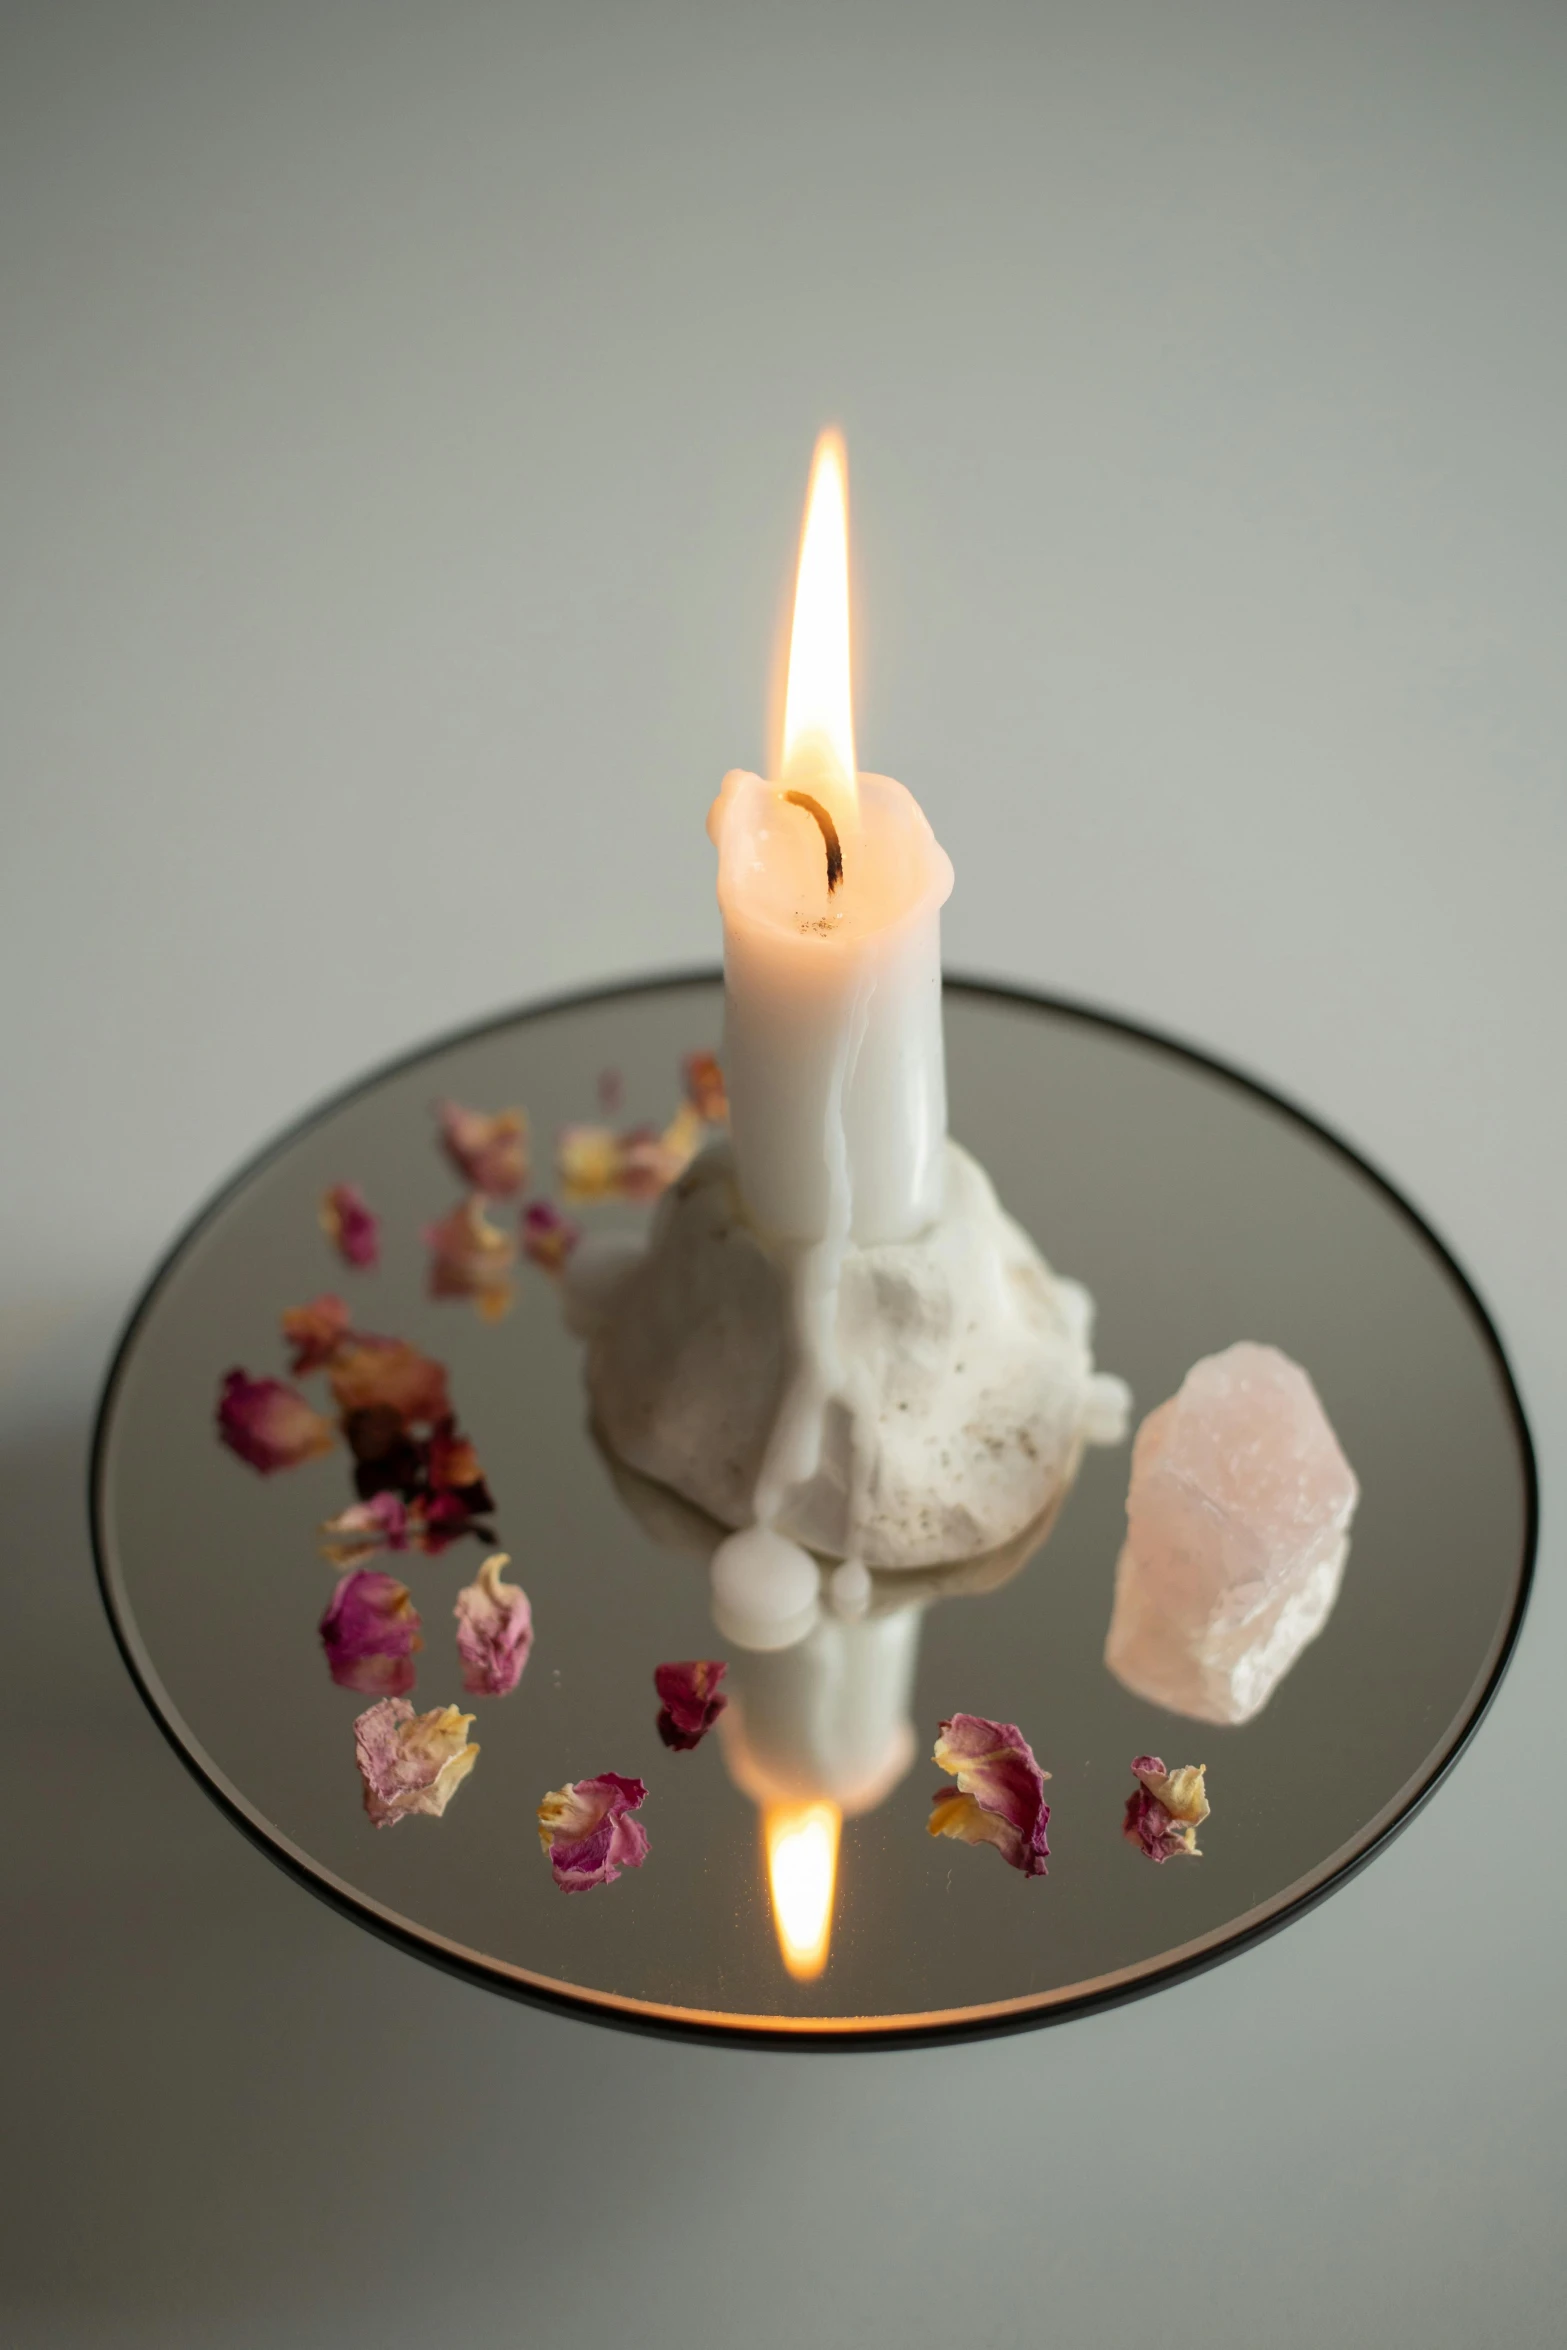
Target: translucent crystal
{"type": "Point", "coordinates": [1237, 1531]}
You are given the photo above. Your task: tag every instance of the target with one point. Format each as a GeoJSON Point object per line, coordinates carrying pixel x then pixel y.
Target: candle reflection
{"type": "Point", "coordinates": [801, 1841]}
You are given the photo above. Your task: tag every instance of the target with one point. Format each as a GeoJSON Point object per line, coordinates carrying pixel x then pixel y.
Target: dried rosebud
{"type": "Point", "coordinates": [1166, 1809]}
{"type": "Point", "coordinates": [357, 1533]}
{"type": "Point", "coordinates": [370, 1633]}
{"type": "Point", "coordinates": [548, 1237]}
{"type": "Point", "coordinates": [471, 1257]}
{"type": "Point", "coordinates": [491, 1153]}
{"type": "Point", "coordinates": [704, 1085]}
{"type": "Point", "coordinates": [692, 1701]}
{"type": "Point", "coordinates": [586, 1829]}
{"type": "Point", "coordinates": [588, 1162]}
{"type": "Point", "coordinates": [351, 1225]}
{"type": "Point", "coordinates": [1000, 1797]}
{"type": "Point", "coordinates": [315, 1332]}
{"type": "Point", "coordinates": [494, 1631]}
{"type": "Point", "coordinates": [411, 1762]}
{"type": "Point", "coordinates": [387, 1374]}
{"type": "Point", "coordinates": [269, 1425]}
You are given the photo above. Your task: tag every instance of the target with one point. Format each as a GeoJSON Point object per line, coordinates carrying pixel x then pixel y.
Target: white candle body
{"type": "Point", "coordinates": [832, 1014]}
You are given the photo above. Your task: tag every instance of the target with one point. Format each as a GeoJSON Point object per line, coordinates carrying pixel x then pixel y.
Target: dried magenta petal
{"type": "Point", "coordinates": [411, 1762]}
{"type": "Point", "coordinates": [1000, 1794]}
{"type": "Point", "coordinates": [351, 1225]}
{"type": "Point", "coordinates": [269, 1424]}
{"type": "Point", "coordinates": [548, 1236]}
{"type": "Point", "coordinates": [586, 1829]}
{"type": "Point", "coordinates": [494, 1631]}
{"type": "Point", "coordinates": [692, 1701]}
{"type": "Point", "coordinates": [357, 1533]}
{"type": "Point", "coordinates": [471, 1257]}
{"type": "Point", "coordinates": [1166, 1809]}
{"type": "Point", "coordinates": [490, 1152]}
{"type": "Point", "coordinates": [370, 1632]}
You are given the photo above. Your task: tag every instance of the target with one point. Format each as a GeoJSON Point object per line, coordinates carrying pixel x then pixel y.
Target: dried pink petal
{"type": "Point", "coordinates": [1166, 1809]}
{"type": "Point", "coordinates": [651, 1161]}
{"type": "Point", "coordinates": [388, 1374]}
{"type": "Point", "coordinates": [704, 1086]}
{"type": "Point", "coordinates": [315, 1332]}
{"type": "Point", "coordinates": [491, 1153]}
{"type": "Point", "coordinates": [692, 1701]}
{"type": "Point", "coordinates": [471, 1257]}
{"type": "Point", "coordinates": [357, 1533]}
{"type": "Point", "coordinates": [269, 1425]}
{"type": "Point", "coordinates": [411, 1762]}
{"type": "Point", "coordinates": [494, 1631]}
{"type": "Point", "coordinates": [370, 1633]}
{"type": "Point", "coordinates": [548, 1237]}
{"type": "Point", "coordinates": [586, 1830]}
{"type": "Point", "coordinates": [588, 1162]}
{"type": "Point", "coordinates": [1000, 1797]}
{"type": "Point", "coordinates": [351, 1225]}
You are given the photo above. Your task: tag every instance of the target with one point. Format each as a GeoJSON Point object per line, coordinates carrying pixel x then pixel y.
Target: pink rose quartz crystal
{"type": "Point", "coordinates": [1166, 1809]}
{"type": "Point", "coordinates": [1237, 1531]}
{"type": "Point", "coordinates": [1000, 1793]}
{"type": "Point", "coordinates": [494, 1631]}
{"type": "Point", "coordinates": [269, 1424]}
{"type": "Point", "coordinates": [691, 1701]}
{"type": "Point", "coordinates": [587, 1830]}
{"type": "Point", "coordinates": [371, 1633]}
{"type": "Point", "coordinates": [411, 1762]}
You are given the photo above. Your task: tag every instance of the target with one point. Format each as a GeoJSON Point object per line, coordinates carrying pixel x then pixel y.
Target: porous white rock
{"type": "Point", "coordinates": [943, 1410]}
{"type": "Point", "coordinates": [1237, 1532]}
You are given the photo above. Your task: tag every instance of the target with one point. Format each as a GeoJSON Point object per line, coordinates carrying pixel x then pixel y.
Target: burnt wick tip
{"type": "Point", "coordinates": [803, 799]}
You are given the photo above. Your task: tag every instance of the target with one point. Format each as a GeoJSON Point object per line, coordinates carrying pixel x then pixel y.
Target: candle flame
{"type": "Point", "coordinates": [802, 1870]}
{"type": "Point", "coordinates": [818, 727]}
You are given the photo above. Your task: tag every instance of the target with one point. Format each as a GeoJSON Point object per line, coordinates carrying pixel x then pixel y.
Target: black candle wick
{"type": "Point", "coordinates": [803, 799]}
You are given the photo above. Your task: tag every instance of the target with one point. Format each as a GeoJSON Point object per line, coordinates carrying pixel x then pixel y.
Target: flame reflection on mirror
{"type": "Point", "coordinates": [802, 1870]}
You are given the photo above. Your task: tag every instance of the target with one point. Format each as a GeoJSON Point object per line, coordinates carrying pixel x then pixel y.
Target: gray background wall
{"type": "Point", "coordinates": [405, 413]}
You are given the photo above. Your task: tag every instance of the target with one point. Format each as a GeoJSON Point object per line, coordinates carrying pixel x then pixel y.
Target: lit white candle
{"type": "Point", "coordinates": [831, 885]}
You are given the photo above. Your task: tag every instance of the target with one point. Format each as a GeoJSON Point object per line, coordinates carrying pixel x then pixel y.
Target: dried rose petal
{"type": "Point", "coordinates": [1000, 1797]}
{"type": "Point", "coordinates": [588, 1161]}
{"type": "Point", "coordinates": [269, 1425]}
{"type": "Point", "coordinates": [704, 1083]}
{"type": "Point", "coordinates": [388, 1374]}
{"type": "Point", "coordinates": [452, 1466]}
{"type": "Point", "coordinates": [357, 1533]}
{"type": "Point", "coordinates": [351, 1225]}
{"type": "Point", "coordinates": [652, 1161]}
{"type": "Point", "coordinates": [491, 1153]}
{"type": "Point", "coordinates": [494, 1631]}
{"type": "Point", "coordinates": [548, 1237]}
{"type": "Point", "coordinates": [586, 1830]}
{"type": "Point", "coordinates": [411, 1762]}
{"type": "Point", "coordinates": [370, 1632]}
{"type": "Point", "coordinates": [1166, 1809]}
{"type": "Point", "coordinates": [471, 1257]}
{"type": "Point", "coordinates": [315, 1332]}
{"type": "Point", "coordinates": [692, 1701]}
